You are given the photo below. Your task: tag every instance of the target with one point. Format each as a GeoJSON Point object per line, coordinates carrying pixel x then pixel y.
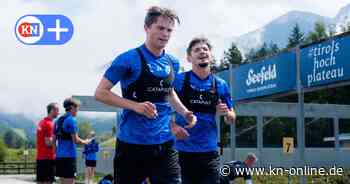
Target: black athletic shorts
{"type": "Point", "coordinates": [66, 167]}
{"type": "Point", "coordinates": [90, 163]}
{"type": "Point", "coordinates": [45, 170]}
{"type": "Point", "coordinates": [199, 168]}
{"type": "Point", "coordinates": [134, 163]}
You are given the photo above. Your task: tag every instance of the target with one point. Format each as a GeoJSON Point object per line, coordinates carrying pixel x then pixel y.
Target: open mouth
{"type": "Point", "coordinates": [203, 57]}
{"type": "Point", "coordinates": [204, 64]}
{"type": "Point", "coordinates": [163, 40]}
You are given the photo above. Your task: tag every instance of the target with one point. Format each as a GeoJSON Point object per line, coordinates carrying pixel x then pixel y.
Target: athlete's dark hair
{"type": "Point", "coordinates": [70, 102]}
{"type": "Point", "coordinates": [51, 106]}
{"type": "Point", "coordinates": [155, 11]}
{"type": "Point", "coordinates": [195, 41]}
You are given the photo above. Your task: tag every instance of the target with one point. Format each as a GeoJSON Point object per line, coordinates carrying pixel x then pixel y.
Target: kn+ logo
{"type": "Point", "coordinates": [44, 29]}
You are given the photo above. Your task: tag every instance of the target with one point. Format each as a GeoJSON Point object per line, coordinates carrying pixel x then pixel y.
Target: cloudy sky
{"type": "Point", "coordinates": [32, 76]}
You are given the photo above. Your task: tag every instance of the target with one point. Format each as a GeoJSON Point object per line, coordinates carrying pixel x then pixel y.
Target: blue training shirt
{"type": "Point", "coordinates": [67, 148]}
{"type": "Point", "coordinates": [136, 128]}
{"type": "Point", "coordinates": [90, 150]}
{"type": "Point", "coordinates": [203, 136]}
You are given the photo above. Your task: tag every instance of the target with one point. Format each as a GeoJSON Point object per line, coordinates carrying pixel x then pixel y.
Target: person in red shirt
{"type": "Point", "coordinates": [45, 159]}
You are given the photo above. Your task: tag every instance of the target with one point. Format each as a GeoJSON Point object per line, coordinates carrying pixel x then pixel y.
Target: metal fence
{"type": "Point", "coordinates": [17, 168]}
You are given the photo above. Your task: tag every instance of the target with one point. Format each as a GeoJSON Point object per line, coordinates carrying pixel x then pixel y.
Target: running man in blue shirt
{"type": "Point", "coordinates": [66, 134]}
{"type": "Point", "coordinates": [145, 142]}
{"type": "Point", "coordinates": [205, 95]}
{"type": "Point", "coordinates": [89, 153]}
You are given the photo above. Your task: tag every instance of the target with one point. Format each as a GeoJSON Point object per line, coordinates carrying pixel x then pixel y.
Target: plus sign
{"type": "Point", "coordinates": [57, 29]}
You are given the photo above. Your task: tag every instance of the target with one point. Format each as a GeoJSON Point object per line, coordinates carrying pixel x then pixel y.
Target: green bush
{"type": "Point", "coordinates": [3, 151]}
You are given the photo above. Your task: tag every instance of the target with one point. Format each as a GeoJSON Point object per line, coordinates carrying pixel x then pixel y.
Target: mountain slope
{"type": "Point", "coordinates": [19, 123]}
{"type": "Point", "coordinates": [278, 30]}
{"type": "Point", "coordinates": [343, 17]}
{"type": "Point", "coordinates": [99, 125]}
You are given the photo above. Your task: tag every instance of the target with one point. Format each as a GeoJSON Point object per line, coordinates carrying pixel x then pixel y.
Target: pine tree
{"type": "Point", "coordinates": [273, 48]}
{"type": "Point", "coordinates": [296, 37]}
{"type": "Point", "coordinates": [232, 55]}
{"type": "Point", "coordinates": [319, 33]}
{"type": "Point", "coordinates": [263, 51]}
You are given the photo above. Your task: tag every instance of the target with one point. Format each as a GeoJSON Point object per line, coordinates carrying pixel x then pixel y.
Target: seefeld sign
{"type": "Point", "coordinates": [265, 74]}
{"type": "Point", "coordinates": [270, 76]}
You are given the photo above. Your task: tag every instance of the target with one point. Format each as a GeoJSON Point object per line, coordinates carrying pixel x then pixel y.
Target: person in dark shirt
{"type": "Point", "coordinates": [239, 169]}
{"type": "Point", "coordinates": [108, 179]}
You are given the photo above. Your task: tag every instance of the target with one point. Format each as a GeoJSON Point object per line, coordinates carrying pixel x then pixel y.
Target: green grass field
{"type": "Point", "coordinates": [110, 143]}
{"type": "Point", "coordinates": [14, 155]}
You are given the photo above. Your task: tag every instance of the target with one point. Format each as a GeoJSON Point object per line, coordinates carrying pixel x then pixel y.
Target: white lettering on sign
{"type": "Point", "coordinates": [265, 74]}
{"type": "Point", "coordinates": [324, 59]}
